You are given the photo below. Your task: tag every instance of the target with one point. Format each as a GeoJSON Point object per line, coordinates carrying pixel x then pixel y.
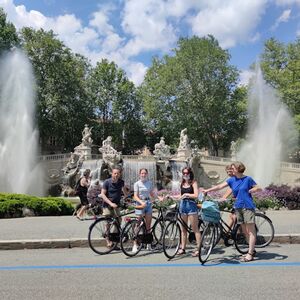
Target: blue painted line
{"type": "Point", "coordinates": [136, 266]}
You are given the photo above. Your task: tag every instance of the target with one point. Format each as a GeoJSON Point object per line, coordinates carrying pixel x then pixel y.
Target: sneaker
{"type": "Point", "coordinates": [149, 247]}
{"type": "Point", "coordinates": [134, 249]}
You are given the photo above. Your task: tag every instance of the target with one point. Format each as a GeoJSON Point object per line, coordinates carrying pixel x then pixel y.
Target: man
{"type": "Point", "coordinates": [111, 194]}
{"type": "Point", "coordinates": [232, 216]}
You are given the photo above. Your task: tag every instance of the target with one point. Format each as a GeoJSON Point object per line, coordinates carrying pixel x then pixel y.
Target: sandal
{"type": "Point", "coordinates": [195, 253]}
{"type": "Point", "coordinates": [245, 259]}
{"type": "Point", "coordinates": [181, 251]}
{"type": "Point", "coordinates": [253, 254]}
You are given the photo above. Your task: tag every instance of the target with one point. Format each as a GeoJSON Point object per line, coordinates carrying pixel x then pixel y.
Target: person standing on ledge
{"type": "Point", "coordinates": [242, 188]}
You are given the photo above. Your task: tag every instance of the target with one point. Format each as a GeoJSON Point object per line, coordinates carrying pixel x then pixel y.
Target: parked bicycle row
{"type": "Point", "coordinates": [174, 227]}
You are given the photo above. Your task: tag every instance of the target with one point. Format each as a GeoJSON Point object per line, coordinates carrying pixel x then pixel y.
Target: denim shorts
{"type": "Point", "coordinates": [146, 210]}
{"type": "Point", "coordinates": [188, 207]}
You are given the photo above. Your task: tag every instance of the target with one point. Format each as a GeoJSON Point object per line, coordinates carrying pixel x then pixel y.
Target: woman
{"type": "Point", "coordinates": [188, 208]}
{"type": "Point", "coordinates": [143, 191]}
{"type": "Point", "coordinates": [242, 187]}
{"type": "Point", "coordinates": [84, 183]}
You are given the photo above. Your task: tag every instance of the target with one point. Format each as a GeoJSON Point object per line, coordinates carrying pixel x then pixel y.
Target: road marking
{"type": "Point", "coordinates": [136, 266]}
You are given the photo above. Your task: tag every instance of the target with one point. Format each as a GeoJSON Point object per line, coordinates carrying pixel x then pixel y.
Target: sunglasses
{"type": "Point", "coordinates": [185, 173]}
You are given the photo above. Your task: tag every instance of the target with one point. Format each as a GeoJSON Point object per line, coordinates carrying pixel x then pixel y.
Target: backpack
{"type": "Point", "coordinates": [210, 212]}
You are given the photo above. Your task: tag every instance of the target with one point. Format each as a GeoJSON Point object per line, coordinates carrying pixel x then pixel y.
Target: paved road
{"type": "Point", "coordinates": [67, 231]}
{"type": "Point", "coordinates": [80, 274]}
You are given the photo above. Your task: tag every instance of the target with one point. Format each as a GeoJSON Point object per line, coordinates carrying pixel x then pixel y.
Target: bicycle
{"type": "Point", "coordinates": [135, 233]}
{"type": "Point", "coordinates": [214, 231]}
{"type": "Point", "coordinates": [172, 234]}
{"type": "Point", "coordinates": [105, 232]}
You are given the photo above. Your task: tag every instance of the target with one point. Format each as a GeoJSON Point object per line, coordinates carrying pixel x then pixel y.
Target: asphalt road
{"type": "Point", "coordinates": [78, 273]}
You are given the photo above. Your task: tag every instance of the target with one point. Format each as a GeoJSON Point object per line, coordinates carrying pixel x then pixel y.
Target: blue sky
{"type": "Point", "coordinates": [131, 32]}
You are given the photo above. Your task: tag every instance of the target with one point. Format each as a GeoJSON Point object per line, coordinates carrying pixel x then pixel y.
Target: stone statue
{"type": "Point", "coordinates": [184, 150]}
{"type": "Point", "coordinates": [86, 136]}
{"type": "Point", "coordinates": [161, 150]}
{"type": "Point", "coordinates": [71, 169]}
{"type": "Point", "coordinates": [110, 155]}
{"type": "Point", "coordinates": [183, 142]}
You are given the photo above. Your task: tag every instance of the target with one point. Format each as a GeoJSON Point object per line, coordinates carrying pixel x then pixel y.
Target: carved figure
{"type": "Point", "coordinates": [183, 142]}
{"type": "Point", "coordinates": [110, 155]}
{"type": "Point", "coordinates": [86, 136]}
{"type": "Point", "coordinates": [161, 150]}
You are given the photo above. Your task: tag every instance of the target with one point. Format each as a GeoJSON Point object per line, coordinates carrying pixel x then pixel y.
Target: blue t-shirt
{"type": "Point", "coordinates": [240, 190]}
{"type": "Point", "coordinates": [113, 190]}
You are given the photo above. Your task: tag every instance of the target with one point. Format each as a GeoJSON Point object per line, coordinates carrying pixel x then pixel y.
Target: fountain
{"type": "Point", "coordinates": [270, 130]}
{"type": "Point", "coordinates": [164, 169]}
{"type": "Point", "coordinates": [19, 171]}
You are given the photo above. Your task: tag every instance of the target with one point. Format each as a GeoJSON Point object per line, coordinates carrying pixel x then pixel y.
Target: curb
{"type": "Point", "coordinates": [83, 242]}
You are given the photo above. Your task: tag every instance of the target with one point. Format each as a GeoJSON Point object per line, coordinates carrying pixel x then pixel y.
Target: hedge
{"type": "Point", "coordinates": [13, 205]}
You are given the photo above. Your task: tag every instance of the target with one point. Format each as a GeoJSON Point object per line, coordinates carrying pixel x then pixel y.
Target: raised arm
{"type": "Point", "coordinates": [216, 187]}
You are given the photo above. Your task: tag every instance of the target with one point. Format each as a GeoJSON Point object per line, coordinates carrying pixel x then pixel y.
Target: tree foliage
{"type": "Point", "coordinates": [62, 103]}
{"type": "Point", "coordinates": [116, 109]}
{"type": "Point", "coordinates": [281, 66]}
{"type": "Point", "coordinates": [196, 88]}
{"type": "Point", "coordinates": [8, 33]}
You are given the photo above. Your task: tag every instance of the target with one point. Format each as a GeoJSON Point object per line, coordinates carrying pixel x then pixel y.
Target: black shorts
{"type": "Point", "coordinates": [83, 199]}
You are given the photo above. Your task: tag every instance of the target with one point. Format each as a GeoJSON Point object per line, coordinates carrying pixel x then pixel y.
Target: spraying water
{"type": "Point", "coordinates": [19, 172]}
{"type": "Point", "coordinates": [270, 130]}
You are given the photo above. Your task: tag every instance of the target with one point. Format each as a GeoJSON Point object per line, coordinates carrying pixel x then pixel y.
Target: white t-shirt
{"type": "Point", "coordinates": [143, 189]}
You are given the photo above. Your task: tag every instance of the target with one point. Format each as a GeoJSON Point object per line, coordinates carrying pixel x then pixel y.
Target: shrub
{"type": "Point", "coordinates": [287, 196]}
{"type": "Point", "coordinates": [11, 205]}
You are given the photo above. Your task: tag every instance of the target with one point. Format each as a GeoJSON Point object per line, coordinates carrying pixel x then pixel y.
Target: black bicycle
{"type": "Point", "coordinates": [213, 232]}
{"type": "Point", "coordinates": [105, 232]}
{"type": "Point", "coordinates": [135, 234]}
{"type": "Point", "coordinates": [172, 234]}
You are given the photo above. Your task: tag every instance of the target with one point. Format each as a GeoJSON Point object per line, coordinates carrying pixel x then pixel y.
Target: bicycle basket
{"type": "Point", "coordinates": [210, 212]}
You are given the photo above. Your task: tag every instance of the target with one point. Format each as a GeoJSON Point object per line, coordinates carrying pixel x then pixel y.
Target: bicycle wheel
{"type": "Point", "coordinates": [240, 240]}
{"type": "Point", "coordinates": [157, 230]}
{"type": "Point", "coordinates": [264, 230]}
{"type": "Point", "coordinates": [264, 234]}
{"type": "Point", "coordinates": [207, 242]}
{"type": "Point", "coordinates": [131, 237]}
{"type": "Point", "coordinates": [171, 239]}
{"type": "Point", "coordinates": [102, 236]}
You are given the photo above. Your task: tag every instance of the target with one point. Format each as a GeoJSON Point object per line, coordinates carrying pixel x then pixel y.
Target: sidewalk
{"type": "Point", "coordinates": [68, 232]}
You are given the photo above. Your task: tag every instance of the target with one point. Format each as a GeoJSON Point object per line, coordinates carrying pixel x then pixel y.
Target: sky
{"type": "Point", "coordinates": [131, 32]}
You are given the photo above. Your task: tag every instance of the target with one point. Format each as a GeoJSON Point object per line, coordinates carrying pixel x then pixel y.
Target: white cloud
{"type": "Point", "coordinates": [146, 23]}
{"type": "Point", "coordinates": [245, 76]}
{"type": "Point", "coordinates": [101, 22]}
{"type": "Point", "coordinates": [231, 21]}
{"type": "Point", "coordinates": [284, 17]}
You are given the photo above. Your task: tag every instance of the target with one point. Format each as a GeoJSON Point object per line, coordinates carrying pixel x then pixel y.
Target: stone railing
{"type": "Point", "coordinates": [216, 158]}
{"type": "Point", "coordinates": [52, 157]}
{"type": "Point", "coordinates": [66, 156]}
{"type": "Point", "coordinates": [287, 165]}
{"type": "Point", "coordinates": [138, 157]}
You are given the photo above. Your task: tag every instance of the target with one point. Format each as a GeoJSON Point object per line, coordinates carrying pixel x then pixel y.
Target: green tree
{"type": "Point", "coordinates": [62, 103]}
{"type": "Point", "coordinates": [116, 108]}
{"type": "Point", "coordinates": [8, 33]}
{"type": "Point", "coordinates": [196, 88]}
{"type": "Point", "coordinates": [281, 66]}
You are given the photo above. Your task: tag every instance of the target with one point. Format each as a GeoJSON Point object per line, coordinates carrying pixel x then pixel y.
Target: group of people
{"type": "Point", "coordinates": [239, 186]}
